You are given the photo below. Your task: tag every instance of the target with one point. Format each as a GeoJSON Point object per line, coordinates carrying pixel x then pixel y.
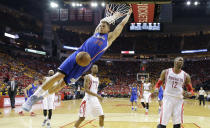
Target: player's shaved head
{"type": "Point", "coordinates": [94, 69]}
{"type": "Point", "coordinates": [50, 72]}
{"type": "Point", "coordinates": [179, 58]}
{"type": "Point", "coordinates": [178, 62]}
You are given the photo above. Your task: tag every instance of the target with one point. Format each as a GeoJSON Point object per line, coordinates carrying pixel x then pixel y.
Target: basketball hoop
{"type": "Point", "coordinates": [142, 79]}
{"type": "Point", "coordinates": [115, 11]}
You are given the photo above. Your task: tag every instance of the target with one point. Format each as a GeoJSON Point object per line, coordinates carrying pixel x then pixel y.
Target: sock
{"type": "Point", "coordinates": [147, 110]}
{"type": "Point", "coordinates": [135, 107]}
{"type": "Point", "coordinates": [39, 92]}
{"type": "Point", "coordinates": [132, 107]}
{"type": "Point", "coordinates": [102, 127]}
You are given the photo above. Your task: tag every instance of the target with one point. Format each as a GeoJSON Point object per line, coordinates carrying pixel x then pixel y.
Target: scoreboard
{"type": "Point", "coordinates": [145, 27]}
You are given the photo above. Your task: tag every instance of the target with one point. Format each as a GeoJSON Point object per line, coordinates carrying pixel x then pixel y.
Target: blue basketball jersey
{"type": "Point", "coordinates": [96, 45]}
{"type": "Point", "coordinates": [160, 94]}
{"type": "Point", "coordinates": [161, 90]}
{"type": "Point", "coordinates": [134, 91]}
{"type": "Point", "coordinates": [31, 90]}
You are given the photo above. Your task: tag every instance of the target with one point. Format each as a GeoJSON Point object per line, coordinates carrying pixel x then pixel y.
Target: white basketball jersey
{"type": "Point", "coordinates": [146, 87]}
{"type": "Point", "coordinates": [94, 82]}
{"type": "Point", "coordinates": [174, 83]}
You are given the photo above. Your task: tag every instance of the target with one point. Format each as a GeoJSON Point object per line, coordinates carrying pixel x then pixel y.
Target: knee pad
{"type": "Point", "coordinates": [161, 126]}
{"type": "Point", "coordinates": [177, 126]}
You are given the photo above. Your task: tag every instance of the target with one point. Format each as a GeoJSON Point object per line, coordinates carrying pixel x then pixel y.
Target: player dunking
{"type": "Point", "coordinates": [146, 95]}
{"type": "Point", "coordinates": [48, 104]}
{"type": "Point", "coordinates": [80, 61]}
{"type": "Point", "coordinates": [90, 104]}
{"type": "Point", "coordinates": [174, 78]}
{"type": "Point", "coordinates": [134, 96]}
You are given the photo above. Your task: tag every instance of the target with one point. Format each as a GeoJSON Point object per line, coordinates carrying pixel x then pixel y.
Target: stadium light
{"type": "Point", "coordinates": [188, 3]}
{"type": "Point", "coordinates": [196, 3]}
{"type": "Point", "coordinates": [103, 4]}
{"type": "Point", "coordinates": [73, 4]}
{"type": "Point", "coordinates": [80, 5]}
{"type": "Point", "coordinates": [94, 4]}
{"type": "Point", "coordinates": [53, 4]}
{"type": "Point", "coordinates": [11, 35]}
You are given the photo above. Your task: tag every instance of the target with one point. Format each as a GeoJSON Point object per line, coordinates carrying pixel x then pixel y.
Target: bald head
{"type": "Point", "coordinates": [50, 72]}
{"type": "Point", "coordinates": [178, 62]}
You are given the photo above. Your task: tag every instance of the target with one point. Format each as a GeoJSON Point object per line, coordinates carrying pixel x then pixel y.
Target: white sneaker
{"type": "Point", "coordinates": [44, 122]}
{"type": "Point", "coordinates": [30, 102]}
{"type": "Point", "coordinates": [48, 125]}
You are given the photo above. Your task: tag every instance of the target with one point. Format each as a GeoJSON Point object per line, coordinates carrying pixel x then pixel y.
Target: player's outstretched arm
{"type": "Point", "coordinates": [87, 86]}
{"type": "Point", "coordinates": [189, 84]}
{"type": "Point", "coordinates": [113, 35]}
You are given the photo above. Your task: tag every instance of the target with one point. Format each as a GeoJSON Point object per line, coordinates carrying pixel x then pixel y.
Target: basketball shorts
{"type": "Point", "coordinates": [48, 102]}
{"type": "Point", "coordinates": [172, 107]}
{"type": "Point", "coordinates": [146, 97]}
{"type": "Point", "coordinates": [90, 107]}
{"type": "Point", "coordinates": [29, 95]}
{"type": "Point", "coordinates": [133, 98]}
{"type": "Point", "coordinates": [71, 69]}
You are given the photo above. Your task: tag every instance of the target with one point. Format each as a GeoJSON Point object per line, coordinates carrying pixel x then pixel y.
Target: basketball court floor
{"type": "Point", "coordinates": [118, 114]}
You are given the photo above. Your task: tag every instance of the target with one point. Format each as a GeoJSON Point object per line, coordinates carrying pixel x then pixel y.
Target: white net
{"type": "Point", "coordinates": [115, 11]}
{"type": "Point", "coordinates": [142, 76]}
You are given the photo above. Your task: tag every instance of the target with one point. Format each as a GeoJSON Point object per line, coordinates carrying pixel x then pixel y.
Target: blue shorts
{"type": "Point", "coordinates": [133, 98]}
{"type": "Point", "coordinates": [71, 69]}
{"type": "Point", "coordinates": [160, 96]}
{"type": "Point", "coordinates": [28, 97]}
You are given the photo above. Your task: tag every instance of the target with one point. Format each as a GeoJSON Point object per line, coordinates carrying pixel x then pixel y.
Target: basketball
{"type": "Point", "coordinates": [83, 59]}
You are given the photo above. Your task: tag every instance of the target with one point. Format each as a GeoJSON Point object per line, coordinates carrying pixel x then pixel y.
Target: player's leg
{"type": "Point", "coordinates": [57, 87]}
{"type": "Point", "coordinates": [49, 118]}
{"type": "Point", "coordinates": [101, 121]}
{"type": "Point", "coordinates": [142, 102]}
{"type": "Point", "coordinates": [79, 121]}
{"type": "Point", "coordinates": [21, 112]}
{"type": "Point", "coordinates": [45, 108]}
{"type": "Point", "coordinates": [160, 104]}
{"type": "Point", "coordinates": [45, 117]}
{"type": "Point", "coordinates": [203, 101]}
{"type": "Point", "coordinates": [131, 100]}
{"type": "Point", "coordinates": [82, 113]}
{"type": "Point", "coordinates": [146, 97]}
{"type": "Point", "coordinates": [51, 106]}
{"type": "Point", "coordinates": [177, 113]}
{"type": "Point", "coordinates": [96, 110]}
{"type": "Point", "coordinates": [38, 95]}
{"type": "Point", "coordinates": [135, 100]}
{"type": "Point", "coordinates": [161, 126]}
{"type": "Point", "coordinates": [160, 98]}
{"type": "Point", "coordinates": [200, 100]}
{"type": "Point", "coordinates": [166, 111]}
{"type": "Point", "coordinates": [49, 83]}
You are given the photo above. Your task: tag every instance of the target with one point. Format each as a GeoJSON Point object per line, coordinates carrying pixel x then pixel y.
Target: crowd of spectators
{"type": "Point", "coordinates": [166, 43]}
{"type": "Point", "coordinates": [115, 77]}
